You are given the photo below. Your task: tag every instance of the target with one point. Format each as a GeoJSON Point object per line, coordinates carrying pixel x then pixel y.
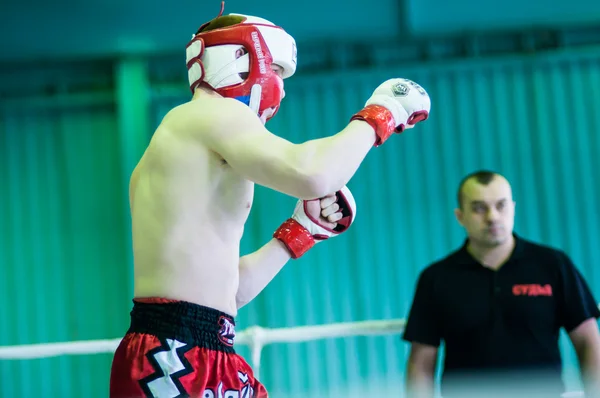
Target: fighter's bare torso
{"type": "Point", "coordinates": [188, 213]}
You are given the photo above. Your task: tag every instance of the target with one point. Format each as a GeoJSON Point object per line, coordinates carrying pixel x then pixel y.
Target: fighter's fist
{"type": "Point", "coordinates": [316, 220]}
{"type": "Point", "coordinates": [326, 210]}
{"type": "Point", "coordinates": [408, 101]}
{"type": "Point", "coordinates": [396, 105]}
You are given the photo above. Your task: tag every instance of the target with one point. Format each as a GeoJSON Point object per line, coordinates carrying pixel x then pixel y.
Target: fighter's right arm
{"type": "Point", "coordinates": [420, 371]}
{"type": "Point", "coordinates": [317, 167]}
{"type": "Point", "coordinates": [308, 170]}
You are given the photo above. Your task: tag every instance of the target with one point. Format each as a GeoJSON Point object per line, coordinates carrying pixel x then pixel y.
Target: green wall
{"type": "Point", "coordinates": [65, 258]}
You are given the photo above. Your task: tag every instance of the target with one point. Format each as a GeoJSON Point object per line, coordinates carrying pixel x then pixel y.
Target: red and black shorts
{"type": "Point", "coordinates": [180, 349]}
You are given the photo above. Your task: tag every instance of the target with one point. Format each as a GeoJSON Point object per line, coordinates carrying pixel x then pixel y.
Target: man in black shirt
{"type": "Point", "coordinates": [498, 304]}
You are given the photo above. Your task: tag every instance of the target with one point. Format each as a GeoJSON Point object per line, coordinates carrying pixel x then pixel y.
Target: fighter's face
{"type": "Point", "coordinates": [268, 113]}
{"type": "Point", "coordinates": [278, 70]}
{"type": "Point", "coordinates": [487, 212]}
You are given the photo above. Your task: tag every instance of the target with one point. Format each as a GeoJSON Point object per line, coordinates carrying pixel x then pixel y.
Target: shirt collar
{"type": "Point", "coordinates": [464, 257]}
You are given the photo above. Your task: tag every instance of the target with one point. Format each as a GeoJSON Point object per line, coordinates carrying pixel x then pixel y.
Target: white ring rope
{"type": "Point", "coordinates": [255, 337]}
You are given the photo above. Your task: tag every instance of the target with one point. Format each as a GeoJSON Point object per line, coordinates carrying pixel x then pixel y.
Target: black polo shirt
{"type": "Point", "coordinates": [500, 326]}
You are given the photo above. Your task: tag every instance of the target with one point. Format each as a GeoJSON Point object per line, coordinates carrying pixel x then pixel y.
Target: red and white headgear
{"type": "Point", "coordinates": [213, 58]}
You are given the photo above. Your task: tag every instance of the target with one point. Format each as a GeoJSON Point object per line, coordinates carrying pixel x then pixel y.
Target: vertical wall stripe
{"type": "Point", "coordinates": [63, 252]}
{"type": "Point", "coordinates": [132, 90]}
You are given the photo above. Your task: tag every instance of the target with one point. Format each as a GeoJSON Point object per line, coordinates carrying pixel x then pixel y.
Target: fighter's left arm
{"type": "Point", "coordinates": [586, 341]}
{"type": "Point", "coordinates": [258, 269]}
{"type": "Point", "coordinates": [312, 221]}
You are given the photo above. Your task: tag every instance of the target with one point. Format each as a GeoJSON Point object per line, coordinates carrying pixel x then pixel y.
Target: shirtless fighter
{"type": "Point", "coordinates": [192, 191]}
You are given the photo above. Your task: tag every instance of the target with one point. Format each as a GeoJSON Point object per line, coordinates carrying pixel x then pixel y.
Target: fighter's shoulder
{"type": "Point", "coordinates": [210, 117]}
{"type": "Point", "coordinates": [217, 110]}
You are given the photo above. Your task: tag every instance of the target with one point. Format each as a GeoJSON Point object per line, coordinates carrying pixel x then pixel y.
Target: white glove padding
{"type": "Point", "coordinates": [408, 101]}
{"type": "Point", "coordinates": [397, 104]}
{"type": "Point", "coordinates": [301, 231]}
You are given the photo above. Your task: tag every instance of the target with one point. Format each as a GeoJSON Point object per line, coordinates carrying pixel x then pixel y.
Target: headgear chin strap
{"type": "Point", "coordinates": [255, 97]}
{"type": "Point", "coordinates": [236, 61]}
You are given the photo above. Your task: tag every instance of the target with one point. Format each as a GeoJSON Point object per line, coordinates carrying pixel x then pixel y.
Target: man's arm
{"type": "Point", "coordinates": [586, 341]}
{"type": "Point", "coordinates": [308, 170]}
{"type": "Point", "coordinates": [420, 371]}
{"type": "Point", "coordinates": [257, 269]}
{"type": "Point", "coordinates": [422, 330]}
{"type": "Point", "coordinates": [314, 168]}
{"type": "Point", "coordinates": [579, 311]}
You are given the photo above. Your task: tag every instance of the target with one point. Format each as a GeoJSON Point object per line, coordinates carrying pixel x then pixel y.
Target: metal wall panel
{"type": "Point", "coordinates": [534, 119]}
{"type": "Point", "coordinates": [64, 231]}
{"type": "Point", "coordinates": [434, 17]}
{"type": "Point", "coordinates": [62, 241]}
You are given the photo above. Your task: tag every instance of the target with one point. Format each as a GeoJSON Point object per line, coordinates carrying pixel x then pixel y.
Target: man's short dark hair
{"type": "Point", "coordinates": [482, 176]}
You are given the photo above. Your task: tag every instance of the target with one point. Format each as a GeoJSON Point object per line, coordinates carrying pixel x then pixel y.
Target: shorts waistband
{"type": "Point", "coordinates": [183, 321]}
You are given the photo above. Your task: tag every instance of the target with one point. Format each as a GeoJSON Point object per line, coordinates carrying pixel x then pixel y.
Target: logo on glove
{"type": "Point", "coordinates": [420, 89]}
{"type": "Point", "coordinates": [400, 89]}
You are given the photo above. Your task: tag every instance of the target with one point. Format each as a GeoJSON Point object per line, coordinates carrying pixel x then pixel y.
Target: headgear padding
{"type": "Point", "coordinates": [214, 58]}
